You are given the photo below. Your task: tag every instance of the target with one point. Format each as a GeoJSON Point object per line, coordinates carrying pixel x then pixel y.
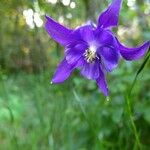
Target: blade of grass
{"type": "Point", "coordinates": [128, 99]}
{"type": "Point", "coordinates": [139, 71]}
{"type": "Point", "coordinates": [86, 116]}
{"type": "Point", "coordinates": [91, 125]}
{"type": "Point", "coordinates": [13, 130]}
{"type": "Point", "coordinates": [132, 122]}
{"type": "Point", "coordinates": [80, 104]}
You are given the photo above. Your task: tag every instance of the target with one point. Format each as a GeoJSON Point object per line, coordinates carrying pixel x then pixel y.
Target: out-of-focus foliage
{"type": "Point", "coordinates": [74, 115]}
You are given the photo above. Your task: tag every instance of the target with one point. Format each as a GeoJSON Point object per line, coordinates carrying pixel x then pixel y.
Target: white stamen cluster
{"type": "Point", "coordinates": [90, 54]}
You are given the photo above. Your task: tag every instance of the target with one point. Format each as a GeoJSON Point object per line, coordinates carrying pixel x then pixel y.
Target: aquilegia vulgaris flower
{"type": "Point", "coordinates": [92, 49]}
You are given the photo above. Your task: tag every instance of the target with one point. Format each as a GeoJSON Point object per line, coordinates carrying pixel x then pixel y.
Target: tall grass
{"type": "Point", "coordinates": [75, 115]}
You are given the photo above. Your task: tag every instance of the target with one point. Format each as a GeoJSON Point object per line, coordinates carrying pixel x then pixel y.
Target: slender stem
{"type": "Point", "coordinates": [132, 122]}
{"type": "Point", "coordinates": [139, 71]}
{"type": "Point", "coordinates": [91, 125]}
{"type": "Point", "coordinates": [129, 102]}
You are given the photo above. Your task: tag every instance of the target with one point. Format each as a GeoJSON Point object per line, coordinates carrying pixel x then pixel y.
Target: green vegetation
{"type": "Point", "coordinates": [35, 115]}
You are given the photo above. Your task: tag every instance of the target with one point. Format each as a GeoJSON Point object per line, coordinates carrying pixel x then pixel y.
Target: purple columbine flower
{"type": "Point", "coordinates": [92, 49]}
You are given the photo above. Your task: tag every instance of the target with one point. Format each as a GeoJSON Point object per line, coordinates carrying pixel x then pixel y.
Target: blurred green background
{"type": "Point", "coordinates": [35, 115]}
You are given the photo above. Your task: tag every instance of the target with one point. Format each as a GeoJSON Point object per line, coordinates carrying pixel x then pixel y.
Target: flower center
{"type": "Point", "coordinates": [90, 55]}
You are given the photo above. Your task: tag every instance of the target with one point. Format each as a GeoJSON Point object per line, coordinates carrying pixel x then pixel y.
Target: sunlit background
{"type": "Point", "coordinates": [35, 115]}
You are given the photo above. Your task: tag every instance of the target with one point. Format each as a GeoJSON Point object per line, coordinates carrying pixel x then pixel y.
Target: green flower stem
{"type": "Point", "coordinates": [128, 99]}
{"type": "Point", "coordinates": [132, 122]}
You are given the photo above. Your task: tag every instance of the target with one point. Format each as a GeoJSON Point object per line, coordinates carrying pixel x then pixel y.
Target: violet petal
{"type": "Point", "coordinates": [110, 16]}
{"type": "Point", "coordinates": [133, 53]}
{"type": "Point", "coordinates": [85, 33]}
{"type": "Point", "coordinates": [104, 37]}
{"type": "Point", "coordinates": [90, 70]}
{"type": "Point", "coordinates": [58, 32]}
{"type": "Point", "coordinates": [102, 83]}
{"type": "Point", "coordinates": [74, 52]}
{"type": "Point", "coordinates": [63, 72]}
{"type": "Point", "coordinates": [109, 57]}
